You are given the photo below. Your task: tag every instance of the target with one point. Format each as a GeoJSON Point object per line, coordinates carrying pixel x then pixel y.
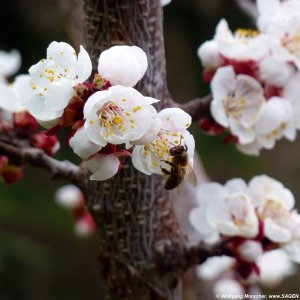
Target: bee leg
{"type": "Point", "coordinates": [165, 171]}
{"type": "Point", "coordinates": [169, 163]}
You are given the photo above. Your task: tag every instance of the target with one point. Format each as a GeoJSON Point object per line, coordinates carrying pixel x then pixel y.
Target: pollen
{"type": "Point", "coordinates": [135, 109]}
{"type": "Point", "coordinates": [175, 134]}
{"type": "Point", "coordinates": [127, 113]}
{"type": "Point", "coordinates": [168, 118]}
{"type": "Point", "coordinates": [91, 121]}
{"type": "Point", "coordinates": [62, 53]}
{"type": "Point", "coordinates": [124, 100]}
{"type": "Point", "coordinates": [117, 120]}
{"type": "Point", "coordinates": [34, 87]}
{"type": "Point", "coordinates": [246, 33]}
{"type": "Point", "coordinates": [187, 125]}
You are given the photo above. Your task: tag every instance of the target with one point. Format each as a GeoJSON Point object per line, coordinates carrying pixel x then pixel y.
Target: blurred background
{"type": "Point", "coordinates": [40, 256]}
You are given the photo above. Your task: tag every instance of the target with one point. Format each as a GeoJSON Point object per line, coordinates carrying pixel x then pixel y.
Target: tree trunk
{"type": "Point", "coordinates": [133, 211]}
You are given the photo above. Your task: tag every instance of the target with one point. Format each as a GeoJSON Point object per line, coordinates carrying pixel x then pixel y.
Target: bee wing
{"type": "Point", "coordinates": [190, 176]}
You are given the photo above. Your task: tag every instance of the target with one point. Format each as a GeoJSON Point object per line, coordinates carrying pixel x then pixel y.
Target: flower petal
{"type": "Point", "coordinates": [8, 98]}
{"type": "Point", "coordinates": [174, 119]}
{"type": "Point", "coordinates": [103, 166]}
{"type": "Point", "coordinates": [10, 63]}
{"type": "Point", "coordinates": [81, 144]}
{"type": "Point", "coordinates": [58, 94]}
{"type": "Point", "coordinates": [84, 66]}
{"type": "Point", "coordinates": [39, 110]}
{"type": "Point", "coordinates": [63, 54]}
{"type": "Point", "coordinates": [276, 233]}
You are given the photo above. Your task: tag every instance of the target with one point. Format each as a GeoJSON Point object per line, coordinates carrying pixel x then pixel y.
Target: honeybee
{"type": "Point", "coordinates": [180, 168]}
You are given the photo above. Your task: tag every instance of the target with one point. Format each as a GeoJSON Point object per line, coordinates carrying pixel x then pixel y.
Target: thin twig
{"type": "Point", "coordinates": [198, 108]}
{"type": "Point", "coordinates": [37, 157]}
{"type": "Point", "coordinates": [170, 258]}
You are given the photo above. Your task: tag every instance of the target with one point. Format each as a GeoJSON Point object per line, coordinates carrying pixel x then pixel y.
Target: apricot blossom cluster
{"type": "Point", "coordinates": [255, 76]}
{"type": "Point", "coordinates": [108, 116]}
{"type": "Point", "coordinates": [252, 221]}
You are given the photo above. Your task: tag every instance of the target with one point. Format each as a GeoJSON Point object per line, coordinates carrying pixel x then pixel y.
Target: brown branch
{"type": "Point", "coordinates": [37, 157]}
{"type": "Point", "coordinates": [198, 108]}
{"type": "Point", "coordinates": [170, 258]}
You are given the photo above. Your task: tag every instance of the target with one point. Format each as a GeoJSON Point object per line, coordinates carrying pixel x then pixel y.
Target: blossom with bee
{"type": "Point", "coordinates": [52, 80]}
{"type": "Point", "coordinates": [116, 116]}
{"type": "Point", "coordinates": [154, 156]}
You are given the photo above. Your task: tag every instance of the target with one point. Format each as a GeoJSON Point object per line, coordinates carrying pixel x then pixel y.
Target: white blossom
{"type": "Point", "coordinates": [243, 45]}
{"type": "Point", "coordinates": [10, 63]}
{"type": "Point", "coordinates": [292, 248]}
{"type": "Point", "coordinates": [152, 157]}
{"type": "Point", "coordinates": [117, 115]}
{"type": "Point", "coordinates": [228, 210]}
{"type": "Point", "coordinates": [69, 196]}
{"type": "Point", "coordinates": [214, 267]}
{"type": "Point", "coordinates": [274, 266]}
{"type": "Point", "coordinates": [123, 65]}
{"type": "Point", "coordinates": [275, 72]}
{"type": "Point", "coordinates": [234, 210]}
{"type": "Point", "coordinates": [12, 95]}
{"type": "Point", "coordinates": [275, 122]}
{"type": "Point", "coordinates": [209, 55]}
{"type": "Point", "coordinates": [229, 288]}
{"type": "Point", "coordinates": [274, 204]}
{"type": "Point", "coordinates": [281, 21]}
{"type": "Point", "coordinates": [53, 79]}
{"type": "Point", "coordinates": [237, 103]}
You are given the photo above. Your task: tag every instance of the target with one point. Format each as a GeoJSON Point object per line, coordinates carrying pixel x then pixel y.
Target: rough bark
{"type": "Point", "coordinates": [133, 212]}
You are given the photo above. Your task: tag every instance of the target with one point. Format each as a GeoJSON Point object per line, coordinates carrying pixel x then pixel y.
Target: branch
{"type": "Point", "coordinates": [198, 108]}
{"type": "Point", "coordinates": [248, 7]}
{"type": "Point", "coordinates": [37, 157]}
{"type": "Point", "coordinates": [170, 258]}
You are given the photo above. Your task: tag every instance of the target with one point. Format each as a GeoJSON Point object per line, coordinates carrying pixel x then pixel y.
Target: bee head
{"type": "Point", "coordinates": [178, 150]}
